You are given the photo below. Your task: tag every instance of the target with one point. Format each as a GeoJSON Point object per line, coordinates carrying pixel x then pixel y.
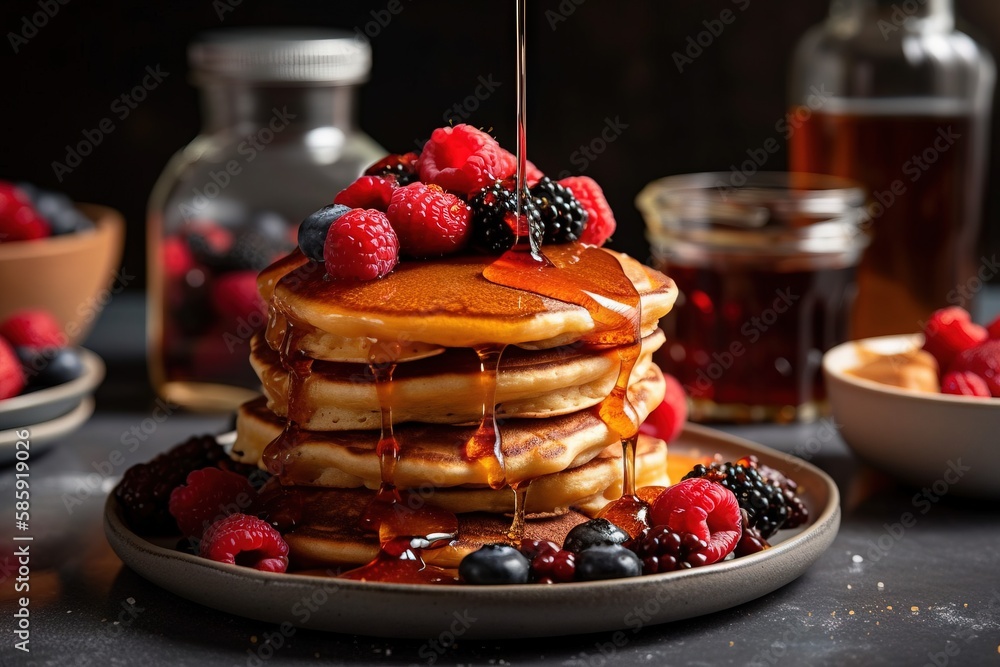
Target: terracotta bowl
{"type": "Point", "coordinates": [72, 275]}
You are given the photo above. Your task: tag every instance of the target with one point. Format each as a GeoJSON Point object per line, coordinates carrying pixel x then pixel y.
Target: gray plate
{"type": "Point", "coordinates": [398, 610]}
{"type": "Point", "coordinates": [51, 403]}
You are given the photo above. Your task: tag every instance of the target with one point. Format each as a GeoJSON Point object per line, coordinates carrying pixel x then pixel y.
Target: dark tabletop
{"type": "Point", "coordinates": [883, 593]}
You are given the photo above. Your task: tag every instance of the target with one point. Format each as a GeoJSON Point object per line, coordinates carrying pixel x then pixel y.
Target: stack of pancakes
{"type": "Point", "coordinates": [431, 323]}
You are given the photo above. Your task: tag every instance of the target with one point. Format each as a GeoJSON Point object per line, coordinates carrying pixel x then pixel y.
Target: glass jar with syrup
{"type": "Point", "coordinates": [765, 274]}
{"type": "Point", "coordinates": [279, 140]}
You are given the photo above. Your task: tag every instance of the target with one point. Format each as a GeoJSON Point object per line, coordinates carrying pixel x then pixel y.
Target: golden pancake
{"type": "Point", "coordinates": [443, 302]}
{"type": "Point", "coordinates": [328, 533]}
{"type": "Point", "coordinates": [448, 388]}
{"type": "Point", "coordinates": [432, 454]}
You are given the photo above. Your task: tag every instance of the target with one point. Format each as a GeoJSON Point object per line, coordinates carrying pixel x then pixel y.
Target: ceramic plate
{"type": "Point", "coordinates": [44, 435]}
{"type": "Point", "coordinates": [398, 610]}
{"type": "Point", "coordinates": [47, 404]}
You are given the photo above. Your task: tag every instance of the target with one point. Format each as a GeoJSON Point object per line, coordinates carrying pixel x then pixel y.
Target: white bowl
{"type": "Point", "coordinates": [943, 443]}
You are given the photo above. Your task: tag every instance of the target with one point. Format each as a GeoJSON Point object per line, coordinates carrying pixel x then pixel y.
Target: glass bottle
{"type": "Point", "coordinates": [889, 94]}
{"type": "Point", "coordinates": [279, 141]}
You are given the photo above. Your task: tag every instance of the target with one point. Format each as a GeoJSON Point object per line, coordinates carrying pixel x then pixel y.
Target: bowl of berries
{"type": "Point", "coordinates": [45, 383]}
{"type": "Point", "coordinates": [60, 255]}
{"type": "Point", "coordinates": [924, 408]}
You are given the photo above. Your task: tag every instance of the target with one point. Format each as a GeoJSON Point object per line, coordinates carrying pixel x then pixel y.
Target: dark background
{"type": "Point", "coordinates": [608, 59]}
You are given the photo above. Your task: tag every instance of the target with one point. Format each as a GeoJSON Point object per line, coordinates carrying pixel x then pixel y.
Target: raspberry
{"type": "Point", "coordinates": [209, 494]}
{"type": "Point", "coordinates": [494, 225]}
{"type": "Point", "coordinates": [532, 174]}
{"type": "Point", "coordinates": [464, 160]}
{"type": "Point", "coordinates": [950, 331]}
{"type": "Point", "coordinates": [704, 508]}
{"type": "Point", "coordinates": [982, 360]}
{"type": "Point", "coordinates": [245, 540]}
{"type": "Point", "coordinates": [561, 213]}
{"type": "Point", "coordinates": [12, 378]}
{"type": "Point", "coordinates": [765, 503]}
{"type": "Point", "coordinates": [663, 549]}
{"type": "Point", "coordinates": [176, 257]}
{"type": "Point", "coordinates": [993, 329]}
{"type": "Point", "coordinates": [964, 384]}
{"type": "Point", "coordinates": [368, 192]}
{"type": "Point", "coordinates": [144, 492]}
{"type": "Point", "coordinates": [428, 220]}
{"type": "Point", "coordinates": [235, 296]}
{"type": "Point", "coordinates": [668, 419]}
{"type": "Point", "coordinates": [403, 167]}
{"type": "Point", "coordinates": [209, 242]}
{"type": "Point", "coordinates": [600, 220]}
{"type": "Point", "coordinates": [33, 328]}
{"type": "Point", "coordinates": [553, 567]}
{"type": "Point", "coordinates": [361, 245]}
{"type": "Point", "coordinates": [19, 221]}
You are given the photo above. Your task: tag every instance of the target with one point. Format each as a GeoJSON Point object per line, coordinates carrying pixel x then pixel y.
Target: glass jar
{"type": "Point", "coordinates": [889, 94]}
{"type": "Point", "coordinates": [765, 274]}
{"type": "Point", "coordinates": [279, 141]}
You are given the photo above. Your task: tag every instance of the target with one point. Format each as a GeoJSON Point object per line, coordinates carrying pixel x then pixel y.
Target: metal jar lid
{"type": "Point", "coordinates": [281, 55]}
{"type": "Point", "coordinates": [770, 215]}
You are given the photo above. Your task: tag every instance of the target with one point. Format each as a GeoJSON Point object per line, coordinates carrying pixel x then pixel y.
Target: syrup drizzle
{"type": "Point", "coordinates": [382, 366]}
{"type": "Point", "coordinates": [485, 447]}
{"type": "Point", "coordinates": [299, 368]}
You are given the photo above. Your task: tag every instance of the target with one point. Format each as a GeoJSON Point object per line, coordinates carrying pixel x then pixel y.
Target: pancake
{"type": "Point", "coordinates": [448, 388]}
{"type": "Point", "coordinates": [328, 533]}
{"type": "Point", "coordinates": [432, 454]}
{"type": "Point", "coordinates": [442, 302]}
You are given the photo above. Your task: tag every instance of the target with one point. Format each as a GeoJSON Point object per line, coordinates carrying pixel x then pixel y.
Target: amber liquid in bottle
{"type": "Point", "coordinates": [924, 177]}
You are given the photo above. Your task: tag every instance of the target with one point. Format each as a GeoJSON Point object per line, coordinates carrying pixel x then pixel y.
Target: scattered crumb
{"type": "Point", "coordinates": [877, 623]}
{"type": "Point", "coordinates": [915, 609]}
{"type": "Point", "coordinates": [881, 585]}
{"type": "Point", "coordinates": [388, 651]}
{"type": "Point", "coordinates": [130, 600]}
{"type": "Point", "coordinates": [117, 623]}
{"type": "Point", "coordinates": [810, 613]}
{"type": "Point", "coordinates": [731, 644]}
{"type": "Point", "coordinates": [253, 639]}
{"type": "Point", "coordinates": [833, 613]}
{"type": "Point", "coordinates": [858, 558]}
{"type": "Point", "coordinates": [966, 605]}
{"type": "Point", "coordinates": [889, 607]}
{"type": "Point", "coordinates": [69, 611]}
{"type": "Point", "coordinates": [850, 613]}
{"type": "Point", "coordinates": [848, 587]}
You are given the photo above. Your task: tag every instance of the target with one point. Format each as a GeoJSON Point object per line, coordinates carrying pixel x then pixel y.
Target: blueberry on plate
{"type": "Point", "coordinates": [62, 215]}
{"type": "Point", "coordinates": [607, 562]}
{"type": "Point", "coordinates": [49, 367]}
{"type": "Point", "coordinates": [312, 231]}
{"type": "Point", "coordinates": [594, 533]}
{"type": "Point", "coordinates": [494, 564]}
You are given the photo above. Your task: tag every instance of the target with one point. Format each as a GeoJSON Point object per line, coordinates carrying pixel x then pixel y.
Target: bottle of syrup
{"type": "Point", "coordinates": [891, 95]}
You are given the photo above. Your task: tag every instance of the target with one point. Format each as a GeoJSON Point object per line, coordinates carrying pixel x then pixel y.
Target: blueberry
{"type": "Point", "coordinates": [62, 215]}
{"type": "Point", "coordinates": [594, 533]}
{"type": "Point", "coordinates": [312, 231]}
{"type": "Point", "coordinates": [607, 562]}
{"type": "Point", "coordinates": [50, 366]}
{"type": "Point", "coordinates": [494, 564]}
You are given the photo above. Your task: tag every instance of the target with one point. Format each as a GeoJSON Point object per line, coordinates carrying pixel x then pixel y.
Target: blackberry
{"type": "Point", "coordinates": [403, 167]}
{"type": "Point", "coordinates": [493, 218]}
{"type": "Point", "coordinates": [144, 492]}
{"type": "Point", "coordinates": [563, 216]}
{"type": "Point", "coordinates": [798, 513]}
{"type": "Point", "coordinates": [765, 503]}
{"type": "Point", "coordinates": [662, 549]}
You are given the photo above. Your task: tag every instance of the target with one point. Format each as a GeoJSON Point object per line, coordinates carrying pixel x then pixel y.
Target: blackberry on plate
{"type": "Point", "coordinates": [144, 491]}
{"type": "Point", "coordinates": [798, 513]}
{"type": "Point", "coordinates": [402, 166]}
{"type": "Point", "coordinates": [494, 218]}
{"type": "Point", "coordinates": [563, 216]}
{"type": "Point", "coordinates": [662, 549]}
{"type": "Point", "coordinates": [764, 502]}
